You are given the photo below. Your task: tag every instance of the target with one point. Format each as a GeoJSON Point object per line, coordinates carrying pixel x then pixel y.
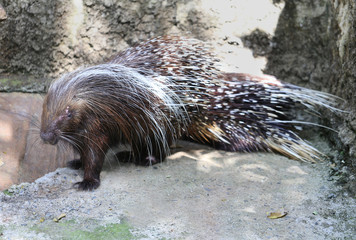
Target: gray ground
{"type": "Point", "coordinates": [198, 193]}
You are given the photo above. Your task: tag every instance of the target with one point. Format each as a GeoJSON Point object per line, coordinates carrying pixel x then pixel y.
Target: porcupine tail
{"type": "Point", "coordinates": [250, 113]}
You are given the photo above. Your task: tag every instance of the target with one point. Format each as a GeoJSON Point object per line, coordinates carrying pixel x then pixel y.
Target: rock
{"type": "Point", "coordinates": [3, 15]}
{"type": "Point", "coordinates": [23, 156]}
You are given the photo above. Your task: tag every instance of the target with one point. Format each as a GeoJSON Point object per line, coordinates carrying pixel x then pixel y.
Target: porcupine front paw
{"type": "Point", "coordinates": [87, 185]}
{"type": "Point", "coordinates": [74, 164]}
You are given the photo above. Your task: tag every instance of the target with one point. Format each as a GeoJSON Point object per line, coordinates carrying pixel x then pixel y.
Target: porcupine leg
{"type": "Point", "coordinates": [92, 159]}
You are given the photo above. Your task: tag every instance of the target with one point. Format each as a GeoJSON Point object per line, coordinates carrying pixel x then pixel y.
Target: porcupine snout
{"type": "Point", "coordinates": [49, 137]}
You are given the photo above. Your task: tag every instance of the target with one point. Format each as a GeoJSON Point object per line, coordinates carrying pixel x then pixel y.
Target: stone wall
{"type": "Point", "coordinates": [344, 84]}
{"type": "Point", "coordinates": [42, 39]}
{"type": "Point", "coordinates": [315, 46]}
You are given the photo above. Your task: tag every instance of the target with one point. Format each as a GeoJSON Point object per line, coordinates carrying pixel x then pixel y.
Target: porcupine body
{"type": "Point", "coordinates": [150, 95]}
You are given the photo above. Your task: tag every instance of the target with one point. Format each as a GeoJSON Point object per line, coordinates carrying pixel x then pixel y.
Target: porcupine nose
{"type": "Point", "coordinates": [49, 137]}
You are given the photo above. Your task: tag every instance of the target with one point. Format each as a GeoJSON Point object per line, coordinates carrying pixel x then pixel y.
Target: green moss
{"type": "Point", "coordinates": [110, 231]}
{"type": "Point", "coordinates": [74, 230]}
{"type": "Point", "coordinates": [10, 82]}
{"type": "Point", "coordinates": [6, 192]}
{"type": "Point", "coordinates": [4, 81]}
{"type": "Point", "coordinates": [22, 83]}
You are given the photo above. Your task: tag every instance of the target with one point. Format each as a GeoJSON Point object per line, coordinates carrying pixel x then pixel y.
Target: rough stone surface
{"type": "Point", "coordinates": [344, 85]}
{"type": "Point", "coordinates": [3, 15]}
{"type": "Point", "coordinates": [314, 46]}
{"type": "Point", "coordinates": [198, 193]}
{"type": "Point", "coordinates": [42, 39]}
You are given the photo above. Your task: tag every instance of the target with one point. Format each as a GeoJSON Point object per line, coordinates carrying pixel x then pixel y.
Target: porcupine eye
{"type": "Point", "coordinates": [68, 113]}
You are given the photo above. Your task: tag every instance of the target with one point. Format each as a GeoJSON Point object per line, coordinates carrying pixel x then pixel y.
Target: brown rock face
{"type": "Point", "coordinates": [23, 156]}
{"type": "Point", "coordinates": [3, 15]}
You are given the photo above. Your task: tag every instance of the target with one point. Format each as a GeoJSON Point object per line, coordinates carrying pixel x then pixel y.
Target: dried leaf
{"type": "Point", "coordinates": [275, 215]}
{"type": "Point", "coordinates": [59, 217]}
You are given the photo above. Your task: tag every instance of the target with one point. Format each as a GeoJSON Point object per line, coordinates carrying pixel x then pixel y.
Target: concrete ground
{"type": "Point", "coordinates": [198, 193]}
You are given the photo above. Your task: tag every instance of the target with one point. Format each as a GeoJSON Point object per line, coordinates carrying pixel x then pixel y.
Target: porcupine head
{"type": "Point", "coordinates": [62, 118]}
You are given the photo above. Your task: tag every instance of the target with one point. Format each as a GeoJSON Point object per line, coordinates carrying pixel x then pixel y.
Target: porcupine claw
{"type": "Point", "coordinates": [87, 185]}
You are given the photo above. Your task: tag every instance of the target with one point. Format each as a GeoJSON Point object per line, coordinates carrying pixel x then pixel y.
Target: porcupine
{"type": "Point", "coordinates": [152, 94]}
